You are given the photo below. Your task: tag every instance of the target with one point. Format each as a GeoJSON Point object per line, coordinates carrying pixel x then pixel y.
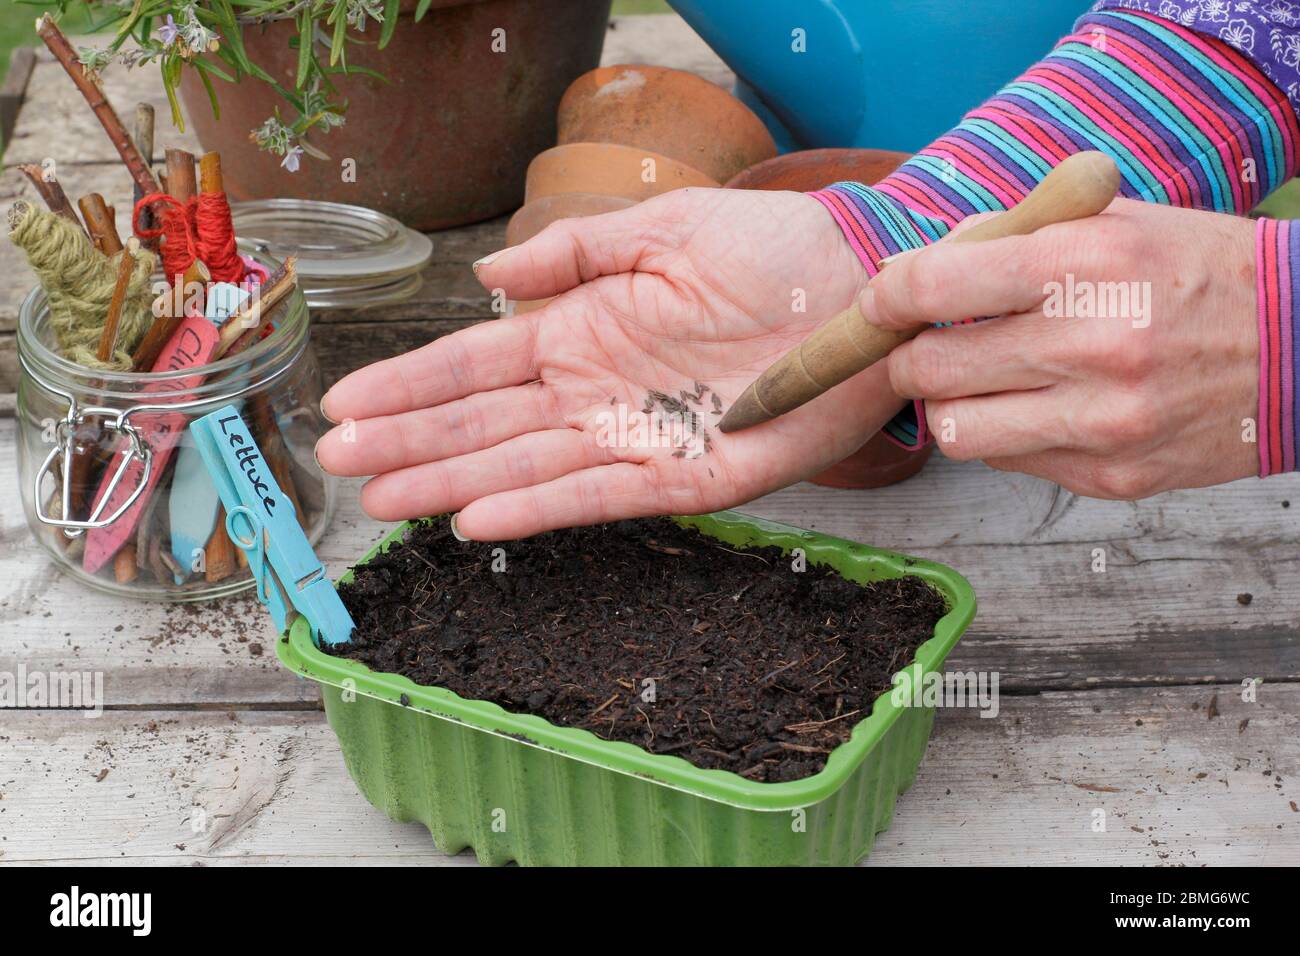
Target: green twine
{"type": "Point", "coordinates": [78, 283]}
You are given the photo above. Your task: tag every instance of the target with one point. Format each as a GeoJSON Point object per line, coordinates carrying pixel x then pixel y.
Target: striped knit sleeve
{"type": "Point", "coordinates": [1267, 31]}
{"type": "Point", "coordinates": [1277, 277]}
{"type": "Point", "coordinates": [1188, 118]}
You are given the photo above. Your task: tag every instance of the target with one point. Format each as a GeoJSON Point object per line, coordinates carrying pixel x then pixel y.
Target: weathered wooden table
{"type": "Point", "coordinates": [1122, 690]}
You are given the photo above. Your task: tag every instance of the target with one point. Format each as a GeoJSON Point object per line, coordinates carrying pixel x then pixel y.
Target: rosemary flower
{"type": "Point", "coordinates": [358, 11]}
{"type": "Point", "coordinates": [292, 159]}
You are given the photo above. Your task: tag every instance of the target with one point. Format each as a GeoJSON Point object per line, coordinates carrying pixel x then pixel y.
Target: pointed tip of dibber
{"type": "Point", "coordinates": [745, 412]}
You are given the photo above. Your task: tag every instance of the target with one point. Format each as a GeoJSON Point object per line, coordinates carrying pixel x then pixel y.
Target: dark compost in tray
{"type": "Point", "coordinates": [647, 632]}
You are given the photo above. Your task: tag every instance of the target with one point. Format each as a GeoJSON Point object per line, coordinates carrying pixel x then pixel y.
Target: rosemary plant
{"type": "Point", "coordinates": [207, 36]}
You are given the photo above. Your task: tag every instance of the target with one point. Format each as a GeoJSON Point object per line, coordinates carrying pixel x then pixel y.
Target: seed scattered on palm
{"type": "Point", "coordinates": [694, 439]}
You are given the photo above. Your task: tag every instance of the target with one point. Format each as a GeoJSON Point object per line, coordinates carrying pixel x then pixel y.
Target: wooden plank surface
{"type": "Point", "coordinates": [1170, 785]}
{"type": "Point", "coordinates": [55, 122]}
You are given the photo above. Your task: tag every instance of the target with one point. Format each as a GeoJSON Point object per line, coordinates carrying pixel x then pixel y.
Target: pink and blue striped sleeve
{"type": "Point", "coordinates": [1277, 286]}
{"type": "Point", "coordinates": [1192, 118]}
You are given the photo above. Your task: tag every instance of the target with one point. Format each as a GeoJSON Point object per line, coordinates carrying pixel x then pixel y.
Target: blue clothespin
{"type": "Point", "coordinates": [260, 520]}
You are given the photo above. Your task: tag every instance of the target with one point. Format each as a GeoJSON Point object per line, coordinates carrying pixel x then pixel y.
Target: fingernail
{"type": "Point", "coordinates": [456, 531]}
{"type": "Point", "coordinates": [480, 263]}
{"type": "Point", "coordinates": [896, 256]}
{"type": "Point", "coordinates": [324, 414]}
{"type": "Point", "coordinates": [867, 304]}
{"type": "Point", "coordinates": [315, 453]}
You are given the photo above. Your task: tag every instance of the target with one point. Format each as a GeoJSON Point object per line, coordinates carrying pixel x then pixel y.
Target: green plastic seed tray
{"type": "Point", "coordinates": [515, 787]}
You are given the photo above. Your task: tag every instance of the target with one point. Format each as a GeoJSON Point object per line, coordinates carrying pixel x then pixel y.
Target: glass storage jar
{"type": "Point", "coordinates": [168, 542]}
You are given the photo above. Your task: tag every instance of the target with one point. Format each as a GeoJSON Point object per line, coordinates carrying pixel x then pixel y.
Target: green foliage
{"type": "Point", "coordinates": [207, 36]}
{"type": "Point", "coordinates": [625, 7]}
{"type": "Point", "coordinates": [1283, 202]}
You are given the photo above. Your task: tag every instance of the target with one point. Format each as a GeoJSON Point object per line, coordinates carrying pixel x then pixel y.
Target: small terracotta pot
{"type": "Point", "coordinates": [444, 139]}
{"type": "Point", "coordinates": [540, 213]}
{"type": "Point", "coordinates": [608, 169]}
{"type": "Point", "coordinates": [672, 112]}
{"type": "Point", "coordinates": [879, 462]}
{"type": "Point", "coordinates": [811, 169]}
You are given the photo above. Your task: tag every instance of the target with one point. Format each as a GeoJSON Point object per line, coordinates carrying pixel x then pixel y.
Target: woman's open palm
{"type": "Point", "coordinates": [515, 423]}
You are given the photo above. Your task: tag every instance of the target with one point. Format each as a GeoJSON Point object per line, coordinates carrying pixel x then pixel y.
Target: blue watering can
{"type": "Point", "coordinates": [888, 74]}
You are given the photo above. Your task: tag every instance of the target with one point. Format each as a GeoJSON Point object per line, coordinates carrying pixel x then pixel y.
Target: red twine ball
{"type": "Point", "coordinates": [216, 237]}
{"type": "Point", "coordinates": [173, 227]}
{"type": "Point", "coordinates": [199, 229]}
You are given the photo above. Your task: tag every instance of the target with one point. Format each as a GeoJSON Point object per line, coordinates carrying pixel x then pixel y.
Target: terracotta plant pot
{"type": "Point", "coordinates": [540, 213]}
{"type": "Point", "coordinates": [811, 169]}
{"type": "Point", "coordinates": [672, 112]}
{"type": "Point", "coordinates": [609, 170]}
{"type": "Point", "coordinates": [446, 140]}
{"type": "Point", "coordinates": [879, 462]}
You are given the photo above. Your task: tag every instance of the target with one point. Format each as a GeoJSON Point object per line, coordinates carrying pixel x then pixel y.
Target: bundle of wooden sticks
{"type": "Point", "coordinates": [109, 314]}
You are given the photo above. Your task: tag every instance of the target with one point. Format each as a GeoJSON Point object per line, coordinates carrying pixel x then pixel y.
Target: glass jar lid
{"type": "Point", "coordinates": [347, 256]}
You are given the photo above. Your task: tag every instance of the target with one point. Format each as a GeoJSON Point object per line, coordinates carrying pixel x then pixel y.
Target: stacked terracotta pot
{"type": "Point", "coordinates": [627, 133]}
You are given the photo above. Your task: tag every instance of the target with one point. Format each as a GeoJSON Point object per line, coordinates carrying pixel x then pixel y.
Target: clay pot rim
{"type": "Point", "coordinates": [618, 204]}
{"type": "Point", "coordinates": [577, 192]}
{"type": "Point", "coordinates": [631, 153]}
{"type": "Point", "coordinates": [620, 148]}
{"type": "Point", "coordinates": [738, 181]}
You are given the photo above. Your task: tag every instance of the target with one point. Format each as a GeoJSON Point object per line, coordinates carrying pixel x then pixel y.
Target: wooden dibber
{"type": "Point", "coordinates": [1082, 185]}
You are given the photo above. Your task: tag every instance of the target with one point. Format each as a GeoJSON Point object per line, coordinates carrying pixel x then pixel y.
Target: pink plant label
{"type": "Point", "coordinates": [190, 346]}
